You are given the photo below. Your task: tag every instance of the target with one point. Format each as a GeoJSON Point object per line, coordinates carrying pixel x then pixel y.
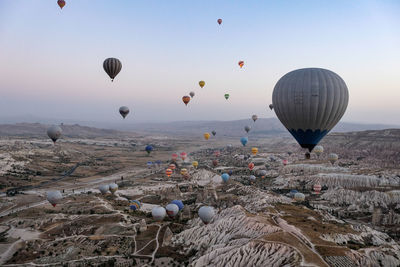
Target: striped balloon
{"type": "Point", "coordinates": [309, 103]}
{"type": "Point", "coordinates": [112, 66]}
{"type": "Point", "coordinates": [135, 205]}
{"type": "Point", "coordinates": [168, 172]}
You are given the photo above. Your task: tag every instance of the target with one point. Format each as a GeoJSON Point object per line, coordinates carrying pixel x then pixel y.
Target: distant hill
{"type": "Point", "coordinates": [74, 131]}
{"type": "Point", "coordinates": [269, 126]}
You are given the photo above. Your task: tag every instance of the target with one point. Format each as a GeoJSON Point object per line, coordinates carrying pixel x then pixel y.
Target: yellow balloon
{"type": "Point", "coordinates": [184, 171]}
{"type": "Point", "coordinates": [206, 136]}
{"type": "Point", "coordinates": [195, 164]}
{"type": "Point", "coordinates": [254, 150]}
{"type": "Point", "coordinates": [202, 83]}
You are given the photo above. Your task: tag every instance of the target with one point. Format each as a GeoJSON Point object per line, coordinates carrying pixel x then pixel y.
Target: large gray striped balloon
{"type": "Point", "coordinates": [112, 66]}
{"type": "Point", "coordinates": [309, 103]}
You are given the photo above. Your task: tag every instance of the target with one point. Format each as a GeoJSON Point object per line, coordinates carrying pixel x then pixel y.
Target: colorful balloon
{"type": "Point", "coordinates": [172, 166]}
{"type": "Point", "coordinates": [61, 3]}
{"type": "Point", "coordinates": [112, 66]}
{"type": "Point", "coordinates": [183, 155]}
{"type": "Point", "coordinates": [202, 83]}
{"type": "Point", "coordinates": [186, 99]}
{"type": "Point", "coordinates": [123, 111]}
{"type": "Point", "coordinates": [284, 162]}
{"type": "Point", "coordinates": [135, 205]}
{"type": "Point", "coordinates": [215, 163]}
{"type": "Point", "coordinates": [172, 210]}
{"type": "Point", "coordinates": [184, 172]}
{"type": "Point", "coordinates": [251, 166]}
{"type": "Point", "coordinates": [244, 140]}
{"type": "Point", "coordinates": [206, 136]}
{"type": "Point", "coordinates": [254, 150]}
{"type": "Point", "coordinates": [317, 188]}
{"type": "Point", "coordinates": [241, 63]}
{"type": "Point", "coordinates": [168, 172]}
{"type": "Point", "coordinates": [174, 157]}
{"type": "Point", "coordinates": [309, 103]}
{"type": "Point", "coordinates": [217, 153]}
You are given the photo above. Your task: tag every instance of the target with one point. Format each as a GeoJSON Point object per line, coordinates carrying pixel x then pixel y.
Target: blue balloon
{"type": "Point", "coordinates": [230, 172]}
{"type": "Point", "coordinates": [293, 192]}
{"type": "Point", "coordinates": [225, 177]}
{"type": "Point", "coordinates": [244, 140]}
{"type": "Point", "coordinates": [179, 203]}
{"type": "Point", "coordinates": [149, 148]}
{"type": "Point", "coordinates": [135, 205]}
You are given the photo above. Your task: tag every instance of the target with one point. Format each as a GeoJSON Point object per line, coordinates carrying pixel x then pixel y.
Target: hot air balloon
{"type": "Point", "coordinates": [332, 157]}
{"type": "Point", "coordinates": [284, 162]}
{"type": "Point", "coordinates": [54, 132]}
{"type": "Point", "coordinates": [113, 187]}
{"type": "Point", "coordinates": [262, 173]}
{"type": "Point", "coordinates": [215, 163]}
{"type": "Point", "coordinates": [241, 63]}
{"type": "Point", "coordinates": [219, 21]}
{"type": "Point", "coordinates": [254, 150]}
{"type": "Point", "coordinates": [244, 140]}
{"type": "Point", "coordinates": [214, 133]}
{"type": "Point", "coordinates": [226, 96]}
{"type": "Point", "coordinates": [309, 103]}
{"type": "Point", "coordinates": [174, 157]}
{"type": "Point", "coordinates": [206, 136]}
{"type": "Point", "coordinates": [254, 118]}
{"type": "Point", "coordinates": [299, 197]}
{"type": "Point", "coordinates": [186, 99]}
{"type": "Point", "coordinates": [317, 188]}
{"type": "Point", "coordinates": [183, 155]}
{"type": "Point", "coordinates": [252, 178]}
{"type": "Point", "coordinates": [195, 164]}
{"type": "Point", "coordinates": [61, 3]}
{"type": "Point", "coordinates": [148, 149]}
{"type": "Point", "coordinates": [318, 150]}
{"type": "Point", "coordinates": [217, 153]}
{"type": "Point", "coordinates": [202, 83]}
{"type": "Point", "coordinates": [104, 189]}
{"type": "Point", "coordinates": [172, 166]}
{"type": "Point", "coordinates": [206, 214]}
{"type": "Point", "coordinates": [168, 172]}
{"type": "Point", "coordinates": [251, 166]}
{"type": "Point", "coordinates": [184, 172]}
{"type": "Point", "coordinates": [247, 128]}
{"type": "Point", "coordinates": [124, 111]}
{"type": "Point", "coordinates": [179, 203]}
{"type": "Point", "coordinates": [225, 177]}
{"type": "Point", "coordinates": [293, 192]}
{"type": "Point", "coordinates": [172, 210]}
{"type": "Point", "coordinates": [271, 107]}
{"type": "Point", "coordinates": [230, 172]}
{"type": "Point", "coordinates": [135, 205]}
{"type": "Point", "coordinates": [191, 94]}
{"type": "Point", "coordinates": [54, 197]}
{"type": "Point", "coordinates": [158, 213]}
{"type": "Point", "coordinates": [112, 66]}
{"type": "Point", "coordinates": [149, 164]}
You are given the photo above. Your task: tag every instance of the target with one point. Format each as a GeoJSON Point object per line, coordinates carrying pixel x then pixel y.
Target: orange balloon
{"type": "Point", "coordinates": [168, 172]}
{"type": "Point", "coordinates": [186, 99]}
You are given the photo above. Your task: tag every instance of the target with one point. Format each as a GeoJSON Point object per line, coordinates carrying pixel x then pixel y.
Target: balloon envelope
{"type": "Point", "coordinates": [332, 157]}
{"type": "Point", "coordinates": [113, 187]}
{"type": "Point", "coordinates": [61, 3]}
{"type": "Point", "coordinates": [206, 136]}
{"type": "Point", "coordinates": [247, 128]}
{"type": "Point", "coordinates": [149, 148]}
{"type": "Point", "coordinates": [179, 203]}
{"type": "Point", "coordinates": [172, 210]}
{"type": "Point", "coordinates": [241, 63]}
{"type": "Point", "coordinates": [202, 83]}
{"type": "Point", "coordinates": [309, 103]}
{"type": "Point", "coordinates": [191, 94]}
{"type": "Point", "coordinates": [226, 96]}
{"type": "Point", "coordinates": [214, 133]}
{"type": "Point", "coordinates": [271, 106]}
{"type": "Point", "coordinates": [195, 164]}
{"type": "Point", "coordinates": [112, 66]}
{"type": "Point", "coordinates": [318, 150]}
{"type": "Point", "coordinates": [158, 213]}
{"type": "Point", "coordinates": [54, 132]}
{"type": "Point", "coordinates": [104, 188]}
{"type": "Point", "coordinates": [206, 214]}
{"type": "Point", "coordinates": [254, 150]}
{"type": "Point", "coordinates": [225, 177]}
{"type": "Point", "coordinates": [54, 197]}
{"type": "Point", "coordinates": [135, 205]}
{"type": "Point", "coordinates": [244, 140]}
{"type": "Point", "coordinates": [186, 99]}
{"type": "Point", "coordinates": [299, 197]}
{"type": "Point", "coordinates": [124, 111]}
{"type": "Point", "coordinates": [254, 118]}
{"type": "Point", "coordinates": [219, 21]}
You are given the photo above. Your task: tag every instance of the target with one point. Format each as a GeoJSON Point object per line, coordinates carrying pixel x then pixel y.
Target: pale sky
{"type": "Point", "coordinates": [52, 59]}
